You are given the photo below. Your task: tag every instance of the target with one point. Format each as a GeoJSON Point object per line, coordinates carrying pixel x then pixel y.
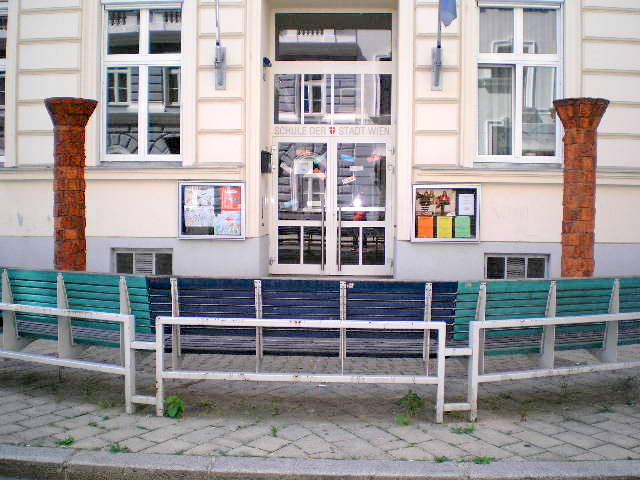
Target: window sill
{"type": "Point", "coordinates": [555, 165]}
{"type": "Point", "coordinates": [135, 165]}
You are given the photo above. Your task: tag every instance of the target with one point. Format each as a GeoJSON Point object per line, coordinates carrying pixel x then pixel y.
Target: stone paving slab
{"type": "Point", "coordinates": [584, 417]}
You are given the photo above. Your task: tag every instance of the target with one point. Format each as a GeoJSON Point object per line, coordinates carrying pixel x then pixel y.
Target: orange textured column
{"type": "Point", "coordinates": [70, 117]}
{"type": "Point", "coordinates": [580, 118]}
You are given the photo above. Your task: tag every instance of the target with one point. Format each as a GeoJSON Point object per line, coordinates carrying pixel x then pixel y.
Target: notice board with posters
{"type": "Point", "coordinates": [212, 210]}
{"type": "Point", "coordinates": [446, 213]}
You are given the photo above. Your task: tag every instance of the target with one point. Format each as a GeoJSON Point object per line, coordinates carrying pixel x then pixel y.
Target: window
{"type": "Point", "coordinates": [333, 36]}
{"type": "Point", "coordinates": [142, 69]}
{"type": "Point", "coordinates": [519, 76]}
{"type": "Point", "coordinates": [355, 99]}
{"type": "Point", "coordinates": [143, 262]}
{"type": "Point", "coordinates": [3, 68]}
{"type": "Point", "coordinates": [514, 267]}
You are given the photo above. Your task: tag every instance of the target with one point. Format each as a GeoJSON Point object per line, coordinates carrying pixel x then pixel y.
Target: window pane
{"type": "Point", "coordinates": [123, 31]}
{"type": "Point", "coordinates": [349, 244]}
{"type": "Point", "coordinates": [286, 98]}
{"type": "Point", "coordinates": [164, 31]}
{"type": "Point", "coordinates": [317, 99]}
{"type": "Point", "coordinates": [495, 110]}
{"type": "Point", "coordinates": [3, 36]}
{"type": "Point", "coordinates": [535, 268]}
{"type": "Point", "coordinates": [312, 251]}
{"type": "Point", "coordinates": [333, 36]}
{"type": "Point", "coordinates": [538, 114]}
{"type": "Point", "coordinates": [164, 114]}
{"type": "Point", "coordinates": [377, 99]}
{"type": "Point", "coordinates": [346, 101]}
{"type": "Point", "coordinates": [373, 246]}
{"type": "Point", "coordinates": [164, 264]}
{"type": "Point", "coordinates": [495, 267]}
{"type": "Point", "coordinates": [515, 267]}
{"type": "Point", "coordinates": [540, 30]}
{"type": "Point", "coordinates": [288, 245]}
{"type": "Point", "coordinates": [122, 118]}
{"type": "Point", "coordinates": [302, 172]}
{"type": "Point", "coordinates": [124, 262]}
{"type": "Point", "coordinates": [362, 181]}
{"type": "Point", "coordinates": [496, 30]}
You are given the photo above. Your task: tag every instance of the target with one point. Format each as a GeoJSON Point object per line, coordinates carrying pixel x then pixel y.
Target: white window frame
{"type": "Point", "coordinates": [167, 90]}
{"type": "Point", "coordinates": [520, 59]}
{"type": "Point", "coordinates": [525, 256]}
{"type": "Point", "coordinates": [143, 60]}
{"type": "Point", "coordinates": [116, 85]}
{"type": "Point", "coordinates": [137, 251]}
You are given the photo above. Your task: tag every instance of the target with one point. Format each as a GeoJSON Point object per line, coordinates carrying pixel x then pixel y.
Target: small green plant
{"type": "Point", "coordinates": [442, 459]}
{"type": "Point", "coordinates": [106, 404]}
{"type": "Point", "coordinates": [117, 448]}
{"type": "Point", "coordinates": [274, 430]}
{"type": "Point", "coordinates": [92, 424]}
{"type": "Point", "coordinates": [275, 408]}
{"type": "Point", "coordinates": [175, 406]}
{"type": "Point", "coordinates": [66, 442]}
{"type": "Point", "coordinates": [412, 402]}
{"type": "Point", "coordinates": [463, 430]}
{"type": "Point", "coordinates": [605, 409]}
{"type": "Point", "coordinates": [483, 460]}
{"type": "Point", "coordinates": [403, 419]}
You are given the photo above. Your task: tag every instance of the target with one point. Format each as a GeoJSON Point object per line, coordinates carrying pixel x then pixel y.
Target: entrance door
{"type": "Point", "coordinates": [332, 211]}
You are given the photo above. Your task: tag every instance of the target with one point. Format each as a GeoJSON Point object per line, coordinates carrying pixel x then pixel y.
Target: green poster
{"type": "Point", "coordinates": [463, 227]}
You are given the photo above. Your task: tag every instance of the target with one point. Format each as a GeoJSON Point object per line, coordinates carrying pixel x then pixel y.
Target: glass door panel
{"type": "Point", "coordinates": [301, 198]}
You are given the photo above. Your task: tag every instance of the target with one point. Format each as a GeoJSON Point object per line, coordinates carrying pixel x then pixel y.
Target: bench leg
{"type": "Point", "coordinates": [66, 347]}
{"type": "Point", "coordinates": [176, 351]}
{"type": "Point", "coordinates": [10, 338]}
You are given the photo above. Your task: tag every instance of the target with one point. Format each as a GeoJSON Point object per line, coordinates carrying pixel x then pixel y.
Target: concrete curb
{"type": "Point", "coordinates": [68, 464]}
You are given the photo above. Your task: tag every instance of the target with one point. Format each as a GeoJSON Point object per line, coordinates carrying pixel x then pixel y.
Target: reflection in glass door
{"type": "Point", "coordinates": [301, 192]}
{"type": "Point", "coordinates": [361, 205]}
{"type": "Point", "coordinates": [332, 213]}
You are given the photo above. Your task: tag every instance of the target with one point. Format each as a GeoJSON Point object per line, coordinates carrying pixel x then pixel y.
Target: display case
{"type": "Point", "coordinates": [446, 213]}
{"type": "Point", "coordinates": [212, 210]}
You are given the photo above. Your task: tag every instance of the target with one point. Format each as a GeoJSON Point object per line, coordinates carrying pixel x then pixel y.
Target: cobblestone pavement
{"type": "Point", "coordinates": [582, 417]}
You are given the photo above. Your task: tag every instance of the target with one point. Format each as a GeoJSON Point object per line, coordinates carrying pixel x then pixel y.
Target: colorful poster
{"type": "Point", "coordinates": [228, 223]}
{"type": "Point", "coordinates": [231, 199]}
{"type": "Point", "coordinates": [445, 227]}
{"type": "Point", "coordinates": [196, 216]}
{"type": "Point", "coordinates": [425, 227]}
{"type": "Point", "coordinates": [199, 195]}
{"type": "Point", "coordinates": [463, 227]}
{"type": "Point", "coordinates": [466, 204]}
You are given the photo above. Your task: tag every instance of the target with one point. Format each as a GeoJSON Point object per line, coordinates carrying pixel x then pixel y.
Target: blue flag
{"type": "Point", "coordinates": [448, 12]}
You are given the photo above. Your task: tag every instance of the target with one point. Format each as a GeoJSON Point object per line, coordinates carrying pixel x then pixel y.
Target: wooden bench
{"type": "Point", "coordinates": [542, 317]}
{"type": "Point", "coordinates": [92, 298]}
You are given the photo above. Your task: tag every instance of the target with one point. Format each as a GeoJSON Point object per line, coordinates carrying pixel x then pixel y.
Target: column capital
{"type": "Point", "coordinates": [69, 111]}
{"type": "Point", "coordinates": [584, 113]}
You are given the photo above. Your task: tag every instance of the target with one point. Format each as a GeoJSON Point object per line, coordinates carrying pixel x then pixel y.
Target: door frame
{"type": "Point", "coordinates": [331, 218]}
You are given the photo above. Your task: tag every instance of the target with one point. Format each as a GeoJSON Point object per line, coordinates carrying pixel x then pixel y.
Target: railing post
{"type": "Point", "coordinates": [547, 348]}
{"type": "Point", "coordinates": [609, 352]}
{"type": "Point", "coordinates": [481, 313]}
{"type": "Point", "coordinates": [176, 349]}
{"type": "Point", "coordinates": [257, 287]}
{"type": "Point", "coordinates": [127, 353]}
{"type": "Point", "coordinates": [474, 369]}
{"type": "Point", "coordinates": [426, 346]}
{"type": "Point", "coordinates": [343, 317]}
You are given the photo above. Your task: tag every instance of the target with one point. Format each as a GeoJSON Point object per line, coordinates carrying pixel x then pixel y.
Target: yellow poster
{"type": "Point", "coordinates": [445, 227]}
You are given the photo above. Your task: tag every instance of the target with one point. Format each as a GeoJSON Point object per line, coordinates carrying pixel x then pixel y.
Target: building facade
{"type": "Point", "coordinates": [321, 144]}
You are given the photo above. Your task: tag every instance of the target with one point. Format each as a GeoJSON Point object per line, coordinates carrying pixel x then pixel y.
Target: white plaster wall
{"type": "Point", "coordinates": [521, 213]}
{"type": "Point", "coordinates": [611, 49]}
{"type": "Point", "coordinates": [139, 208]}
{"type": "Point", "coordinates": [26, 208]}
{"type": "Point", "coordinates": [617, 218]}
